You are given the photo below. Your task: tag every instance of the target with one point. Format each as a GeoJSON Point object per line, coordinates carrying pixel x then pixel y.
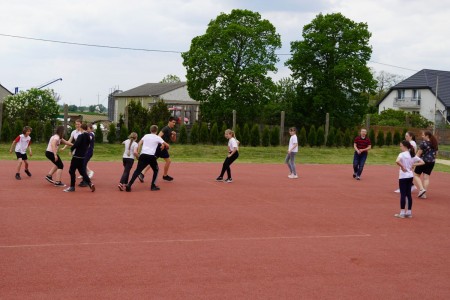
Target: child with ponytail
{"type": "Point", "coordinates": [128, 159]}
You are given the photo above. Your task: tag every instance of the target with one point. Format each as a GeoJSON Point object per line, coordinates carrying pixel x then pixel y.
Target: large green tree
{"type": "Point", "coordinates": [34, 104]}
{"type": "Point", "coordinates": [227, 67]}
{"type": "Point", "coordinates": [330, 64]}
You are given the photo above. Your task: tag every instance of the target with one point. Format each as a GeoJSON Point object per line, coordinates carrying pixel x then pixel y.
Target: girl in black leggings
{"type": "Point", "coordinates": [233, 154]}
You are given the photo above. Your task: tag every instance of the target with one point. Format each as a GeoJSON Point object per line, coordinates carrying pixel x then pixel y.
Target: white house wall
{"type": "Point", "coordinates": [427, 103]}
{"type": "Point", "coordinates": [180, 94]}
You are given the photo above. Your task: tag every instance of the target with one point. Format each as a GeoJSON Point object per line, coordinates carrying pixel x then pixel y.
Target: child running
{"type": "Point", "coordinates": [52, 154]}
{"type": "Point", "coordinates": [128, 159]}
{"type": "Point", "coordinates": [148, 145]}
{"type": "Point", "coordinates": [22, 144]}
{"type": "Point", "coordinates": [79, 150]}
{"type": "Point", "coordinates": [233, 154]}
{"type": "Point", "coordinates": [292, 151]}
{"type": "Point", "coordinates": [406, 160]}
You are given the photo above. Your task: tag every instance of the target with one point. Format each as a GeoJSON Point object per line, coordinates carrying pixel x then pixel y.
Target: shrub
{"type": "Point", "coordinates": [222, 138]}
{"type": "Point", "coordinates": [331, 138]}
{"type": "Point", "coordinates": [6, 132]}
{"type": "Point", "coordinates": [380, 139]}
{"type": "Point", "coordinates": [372, 137]}
{"type": "Point", "coordinates": [99, 134]}
{"type": "Point", "coordinates": [388, 140]}
{"type": "Point", "coordinates": [348, 140]}
{"type": "Point", "coordinates": [245, 140]}
{"type": "Point", "coordinates": [182, 139]}
{"type": "Point", "coordinates": [302, 141]}
{"type": "Point", "coordinates": [397, 138]}
{"type": "Point", "coordinates": [237, 132]}
{"type": "Point", "coordinates": [111, 137]}
{"type": "Point", "coordinates": [265, 136]}
{"type": "Point", "coordinates": [194, 133]}
{"type": "Point", "coordinates": [320, 140]}
{"type": "Point", "coordinates": [18, 128]}
{"type": "Point", "coordinates": [255, 139]}
{"type": "Point", "coordinates": [339, 142]}
{"type": "Point", "coordinates": [48, 131]}
{"type": "Point", "coordinates": [35, 131]}
{"type": "Point", "coordinates": [312, 136]}
{"type": "Point", "coordinates": [124, 133]}
{"type": "Point", "coordinates": [214, 134]}
{"type": "Point", "coordinates": [275, 136]}
{"type": "Point", "coordinates": [204, 133]}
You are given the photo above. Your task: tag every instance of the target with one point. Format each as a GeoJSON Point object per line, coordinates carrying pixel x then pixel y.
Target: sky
{"type": "Point", "coordinates": [407, 36]}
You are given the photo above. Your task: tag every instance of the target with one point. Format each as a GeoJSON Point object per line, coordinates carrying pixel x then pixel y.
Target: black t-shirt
{"type": "Point", "coordinates": [167, 133]}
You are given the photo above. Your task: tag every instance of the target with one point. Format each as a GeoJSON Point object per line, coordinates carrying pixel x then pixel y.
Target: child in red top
{"type": "Point", "coordinates": [22, 144]}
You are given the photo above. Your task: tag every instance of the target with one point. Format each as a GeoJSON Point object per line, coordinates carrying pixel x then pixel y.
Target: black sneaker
{"type": "Point", "coordinates": [154, 188]}
{"type": "Point", "coordinates": [59, 184]}
{"type": "Point", "coordinates": [229, 180]}
{"type": "Point", "coordinates": [354, 175]}
{"type": "Point", "coordinates": [28, 172]}
{"type": "Point", "coordinates": [92, 186]}
{"type": "Point", "coordinates": [69, 190]}
{"type": "Point", "coordinates": [219, 178]}
{"type": "Point", "coordinates": [18, 176]}
{"type": "Point", "coordinates": [49, 179]}
{"type": "Point", "coordinates": [141, 177]}
{"type": "Point", "coordinates": [167, 178]}
{"type": "Point", "coordinates": [83, 184]}
{"type": "Point", "coordinates": [128, 188]}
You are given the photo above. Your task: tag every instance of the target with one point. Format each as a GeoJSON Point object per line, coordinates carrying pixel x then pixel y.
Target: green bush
{"type": "Point", "coordinates": [348, 139]}
{"type": "Point", "coordinates": [339, 142]}
{"type": "Point", "coordinates": [204, 134]}
{"type": "Point", "coordinates": [388, 140]}
{"type": "Point", "coordinates": [111, 137]}
{"type": "Point", "coordinates": [18, 128]}
{"type": "Point", "coordinates": [245, 140]}
{"type": "Point", "coordinates": [397, 139]}
{"type": "Point", "coordinates": [312, 136]}
{"type": "Point", "coordinates": [182, 139]}
{"type": "Point", "coordinates": [48, 131]}
{"type": "Point", "coordinates": [255, 139]}
{"type": "Point", "coordinates": [265, 141]}
{"type": "Point", "coordinates": [372, 137]}
{"type": "Point", "coordinates": [275, 136]}
{"type": "Point", "coordinates": [99, 134]}
{"type": "Point", "coordinates": [331, 139]}
{"type": "Point", "coordinates": [124, 133]}
{"type": "Point", "coordinates": [302, 140]}
{"type": "Point", "coordinates": [160, 124]}
{"type": "Point", "coordinates": [222, 138]}
{"type": "Point", "coordinates": [6, 132]}
{"type": "Point", "coordinates": [237, 132]}
{"type": "Point", "coordinates": [35, 131]}
{"type": "Point", "coordinates": [320, 140]}
{"type": "Point", "coordinates": [380, 139]}
{"type": "Point", "coordinates": [194, 133]}
{"type": "Point", "coordinates": [214, 134]}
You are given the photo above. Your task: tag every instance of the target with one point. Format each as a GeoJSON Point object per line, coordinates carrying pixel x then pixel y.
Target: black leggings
{"type": "Point", "coordinates": [77, 163]}
{"type": "Point", "coordinates": [227, 163]}
{"type": "Point", "coordinates": [144, 161]}
{"type": "Point", "coordinates": [51, 156]}
{"type": "Point", "coordinates": [405, 185]}
{"type": "Point", "coordinates": [127, 165]}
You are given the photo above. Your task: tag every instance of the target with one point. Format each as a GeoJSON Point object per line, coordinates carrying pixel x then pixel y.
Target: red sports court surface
{"type": "Point", "coordinates": [264, 236]}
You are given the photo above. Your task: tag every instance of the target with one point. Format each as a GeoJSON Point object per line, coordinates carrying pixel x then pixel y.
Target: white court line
{"type": "Point", "coordinates": [189, 240]}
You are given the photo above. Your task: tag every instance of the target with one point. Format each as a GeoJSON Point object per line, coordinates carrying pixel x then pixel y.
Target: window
{"type": "Point", "coordinates": [400, 94]}
{"type": "Point", "coordinates": [416, 94]}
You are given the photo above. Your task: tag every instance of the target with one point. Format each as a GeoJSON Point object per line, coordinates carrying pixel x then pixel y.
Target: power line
{"type": "Point", "coordinates": [152, 50]}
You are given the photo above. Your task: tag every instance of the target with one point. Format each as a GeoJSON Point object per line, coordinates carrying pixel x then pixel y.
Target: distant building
{"type": "Point", "coordinates": [426, 93]}
{"type": "Point", "coordinates": [175, 95]}
{"type": "Point", "coordinates": [3, 93]}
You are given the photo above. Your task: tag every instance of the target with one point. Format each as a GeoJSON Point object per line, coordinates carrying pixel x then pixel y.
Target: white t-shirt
{"type": "Point", "coordinates": [74, 134]}
{"type": "Point", "coordinates": [129, 151]}
{"type": "Point", "coordinates": [407, 161]}
{"type": "Point", "coordinates": [53, 138]}
{"type": "Point", "coordinates": [414, 145]}
{"type": "Point", "coordinates": [293, 140]}
{"type": "Point", "coordinates": [232, 143]}
{"type": "Point", "coordinates": [150, 143]}
{"type": "Point", "coordinates": [22, 143]}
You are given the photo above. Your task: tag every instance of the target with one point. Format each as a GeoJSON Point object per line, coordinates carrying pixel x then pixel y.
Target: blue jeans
{"type": "Point", "coordinates": [358, 163]}
{"type": "Point", "coordinates": [290, 160]}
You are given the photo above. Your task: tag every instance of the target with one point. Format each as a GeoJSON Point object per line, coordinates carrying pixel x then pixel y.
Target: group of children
{"type": "Point", "coordinates": [412, 162]}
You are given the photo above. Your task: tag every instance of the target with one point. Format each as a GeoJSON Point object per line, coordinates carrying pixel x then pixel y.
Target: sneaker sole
{"type": "Point", "coordinates": [92, 188]}
{"type": "Point", "coordinates": [422, 193]}
{"type": "Point", "coordinates": [120, 187]}
{"type": "Point", "coordinates": [49, 180]}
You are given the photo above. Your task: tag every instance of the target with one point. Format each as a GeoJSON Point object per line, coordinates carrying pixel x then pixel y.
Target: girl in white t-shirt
{"type": "Point", "coordinates": [406, 160]}
{"type": "Point", "coordinates": [233, 154]}
{"type": "Point", "coordinates": [411, 138]}
{"type": "Point", "coordinates": [128, 159]}
{"type": "Point", "coordinates": [292, 151]}
{"type": "Point", "coordinates": [52, 154]}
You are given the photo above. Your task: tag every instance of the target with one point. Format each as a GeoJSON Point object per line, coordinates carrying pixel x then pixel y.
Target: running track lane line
{"type": "Point", "coordinates": [190, 240]}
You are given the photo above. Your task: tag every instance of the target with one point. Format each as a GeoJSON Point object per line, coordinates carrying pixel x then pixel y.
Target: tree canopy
{"type": "Point", "coordinates": [34, 104]}
{"type": "Point", "coordinates": [170, 79]}
{"type": "Point", "coordinates": [330, 64]}
{"type": "Point", "coordinates": [227, 67]}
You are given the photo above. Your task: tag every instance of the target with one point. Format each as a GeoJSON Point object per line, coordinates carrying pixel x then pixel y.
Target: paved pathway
{"type": "Point", "coordinates": [443, 161]}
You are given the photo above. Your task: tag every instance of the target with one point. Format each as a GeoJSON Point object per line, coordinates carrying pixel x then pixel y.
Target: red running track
{"type": "Point", "coordinates": [264, 236]}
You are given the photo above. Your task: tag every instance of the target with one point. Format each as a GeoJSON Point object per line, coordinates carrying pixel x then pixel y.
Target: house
{"type": "Point", "coordinates": [426, 93]}
{"type": "Point", "coordinates": [3, 94]}
{"type": "Point", "coordinates": [175, 95]}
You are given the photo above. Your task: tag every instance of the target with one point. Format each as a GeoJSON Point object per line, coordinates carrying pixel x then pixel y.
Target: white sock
{"type": "Point", "coordinates": [402, 212]}
{"type": "Point", "coordinates": [408, 212]}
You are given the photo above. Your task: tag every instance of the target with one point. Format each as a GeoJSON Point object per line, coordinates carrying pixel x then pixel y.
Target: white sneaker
{"type": "Point", "coordinates": [91, 174]}
{"type": "Point", "coordinates": [397, 191]}
{"type": "Point", "coordinates": [294, 176]}
{"type": "Point", "coordinates": [421, 193]}
{"type": "Point", "coordinates": [413, 188]}
{"type": "Point", "coordinates": [290, 176]}
{"type": "Point", "coordinates": [401, 216]}
{"type": "Point", "coordinates": [79, 177]}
